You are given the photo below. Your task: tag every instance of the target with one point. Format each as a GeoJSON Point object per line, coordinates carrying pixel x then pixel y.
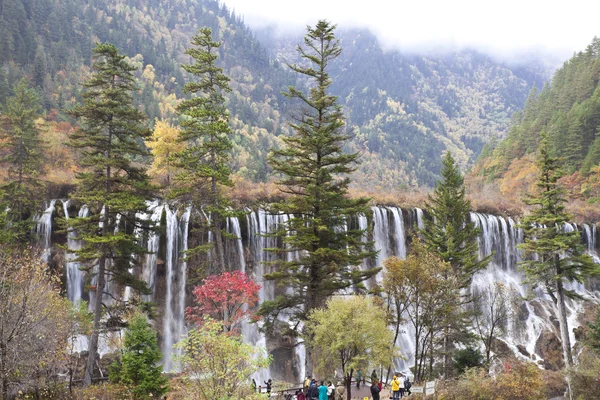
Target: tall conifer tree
{"type": "Point", "coordinates": [449, 232]}
{"type": "Point", "coordinates": [206, 131]}
{"type": "Point", "coordinates": [314, 172]}
{"type": "Point", "coordinates": [4, 88]}
{"type": "Point", "coordinates": [113, 186]}
{"type": "Point", "coordinates": [557, 255]}
{"type": "Point", "coordinates": [23, 154]}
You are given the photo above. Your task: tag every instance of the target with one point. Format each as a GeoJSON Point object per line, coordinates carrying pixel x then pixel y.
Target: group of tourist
{"type": "Point", "coordinates": [398, 385]}
{"type": "Point", "coordinates": [268, 386]}
{"type": "Point", "coordinates": [313, 391]}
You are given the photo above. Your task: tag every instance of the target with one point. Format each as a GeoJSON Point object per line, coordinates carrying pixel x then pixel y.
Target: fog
{"type": "Point", "coordinates": [509, 29]}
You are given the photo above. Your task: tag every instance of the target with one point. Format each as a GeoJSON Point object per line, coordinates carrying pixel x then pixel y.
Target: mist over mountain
{"type": "Point", "coordinates": [407, 109]}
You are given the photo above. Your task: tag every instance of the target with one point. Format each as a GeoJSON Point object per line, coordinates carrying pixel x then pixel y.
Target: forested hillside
{"type": "Point", "coordinates": [404, 110]}
{"type": "Point", "coordinates": [50, 42]}
{"type": "Point", "coordinates": [568, 110]}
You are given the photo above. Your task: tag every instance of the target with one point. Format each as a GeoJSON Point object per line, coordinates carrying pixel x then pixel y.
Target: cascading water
{"type": "Point", "coordinates": [44, 230]}
{"type": "Point", "coordinates": [399, 233]}
{"type": "Point", "coordinates": [75, 276]}
{"type": "Point", "coordinates": [176, 269]}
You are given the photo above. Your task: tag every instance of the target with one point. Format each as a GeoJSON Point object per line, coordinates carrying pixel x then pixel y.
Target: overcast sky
{"type": "Point", "coordinates": [504, 28]}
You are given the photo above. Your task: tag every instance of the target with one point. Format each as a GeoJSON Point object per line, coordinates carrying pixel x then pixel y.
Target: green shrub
{"type": "Point", "coordinates": [467, 358]}
{"type": "Point", "coordinates": [585, 376]}
{"type": "Point", "coordinates": [138, 368]}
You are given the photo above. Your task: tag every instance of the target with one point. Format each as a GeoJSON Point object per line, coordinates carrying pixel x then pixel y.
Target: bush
{"type": "Point", "coordinates": [103, 391]}
{"type": "Point", "coordinates": [467, 358]}
{"type": "Point", "coordinates": [516, 382]}
{"type": "Point", "coordinates": [138, 369]}
{"type": "Point", "coordinates": [585, 376]}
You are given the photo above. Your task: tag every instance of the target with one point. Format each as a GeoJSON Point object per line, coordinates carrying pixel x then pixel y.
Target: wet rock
{"type": "Point", "coordinates": [500, 348]}
{"type": "Point", "coordinates": [523, 312]}
{"type": "Point", "coordinates": [523, 350]}
{"type": "Point", "coordinates": [579, 333]}
{"type": "Point", "coordinates": [555, 382]}
{"type": "Point", "coordinates": [548, 347]}
{"type": "Point", "coordinates": [286, 365]}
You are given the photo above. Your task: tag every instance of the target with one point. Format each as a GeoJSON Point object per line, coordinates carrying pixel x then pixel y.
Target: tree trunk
{"type": "Point", "coordinates": [446, 353]}
{"type": "Point", "coordinates": [564, 327]}
{"type": "Point", "coordinates": [416, 353]}
{"type": "Point", "coordinates": [93, 342]}
{"type": "Point", "coordinates": [219, 243]}
{"type": "Point", "coordinates": [3, 372]}
{"type": "Point", "coordinates": [348, 386]}
{"type": "Point", "coordinates": [308, 359]}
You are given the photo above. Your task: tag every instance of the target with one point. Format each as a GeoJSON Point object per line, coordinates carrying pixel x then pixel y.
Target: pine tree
{"type": "Point", "coordinates": [449, 232]}
{"type": "Point", "coordinates": [557, 255]}
{"type": "Point", "coordinates": [314, 168]}
{"type": "Point", "coordinates": [22, 150]}
{"type": "Point", "coordinates": [206, 131]}
{"type": "Point", "coordinates": [4, 87]}
{"type": "Point", "coordinates": [39, 67]}
{"type": "Point", "coordinates": [111, 184]}
{"type": "Point", "coordinates": [138, 368]}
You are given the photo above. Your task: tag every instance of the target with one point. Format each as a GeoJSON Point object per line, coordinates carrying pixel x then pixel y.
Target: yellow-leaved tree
{"type": "Point", "coordinates": [163, 145]}
{"type": "Point", "coordinates": [36, 323]}
{"type": "Point", "coordinates": [351, 334]}
{"type": "Point", "coordinates": [217, 365]}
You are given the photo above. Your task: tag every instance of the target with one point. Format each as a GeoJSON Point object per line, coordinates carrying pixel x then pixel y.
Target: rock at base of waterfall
{"type": "Point", "coordinates": [548, 347]}
{"type": "Point", "coordinates": [286, 364]}
{"type": "Point", "coordinates": [555, 383]}
{"type": "Point", "coordinates": [523, 350]}
{"type": "Point", "coordinates": [501, 349]}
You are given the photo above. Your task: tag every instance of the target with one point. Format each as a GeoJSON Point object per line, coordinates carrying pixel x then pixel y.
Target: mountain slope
{"type": "Point", "coordinates": [568, 109]}
{"type": "Point", "coordinates": [50, 41]}
{"type": "Point", "coordinates": [407, 109]}
{"type": "Point", "coordinates": [404, 110]}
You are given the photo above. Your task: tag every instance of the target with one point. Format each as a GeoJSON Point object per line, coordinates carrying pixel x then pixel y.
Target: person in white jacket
{"type": "Point", "coordinates": [330, 390]}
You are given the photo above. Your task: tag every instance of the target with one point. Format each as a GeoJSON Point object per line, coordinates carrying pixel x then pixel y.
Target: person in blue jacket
{"type": "Point", "coordinates": [313, 392]}
{"type": "Point", "coordinates": [323, 391]}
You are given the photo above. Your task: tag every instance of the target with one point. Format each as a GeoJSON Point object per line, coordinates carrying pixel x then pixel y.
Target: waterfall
{"type": "Point", "coordinates": [75, 276]}
{"type": "Point", "coordinates": [257, 222]}
{"type": "Point", "coordinates": [44, 230]}
{"type": "Point", "coordinates": [381, 237]}
{"type": "Point", "coordinates": [170, 327]}
{"type": "Point", "coordinates": [590, 241]}
{"type": "Point", "coordinates": [152, 246]}
{"type": "Point", "coordinates": [399, 233]}
{"type": "Point", "coordinates": [420, 222]}
{"type": "Point", "coordinates": [176, 276]}
{"type": "Point", "coordinates": [236, 231]}
{"type": "Point", "coordinates": [184, 232]}
{"type": "Point", "coordinates": [499, 236]}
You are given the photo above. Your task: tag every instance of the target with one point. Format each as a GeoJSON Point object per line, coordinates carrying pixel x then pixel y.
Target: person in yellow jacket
{"type": "Point", "coordinates": [396, 388]}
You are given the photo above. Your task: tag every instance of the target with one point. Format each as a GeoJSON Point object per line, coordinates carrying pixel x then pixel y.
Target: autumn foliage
{"type": "Point", "coordinates": [517, 381]}
{"type": "Point", "coordinates": [228, 297]}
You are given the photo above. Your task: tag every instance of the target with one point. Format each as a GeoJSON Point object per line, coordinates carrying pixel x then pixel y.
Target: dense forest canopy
{"type": "Point", "coordinates": [567, 109]}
